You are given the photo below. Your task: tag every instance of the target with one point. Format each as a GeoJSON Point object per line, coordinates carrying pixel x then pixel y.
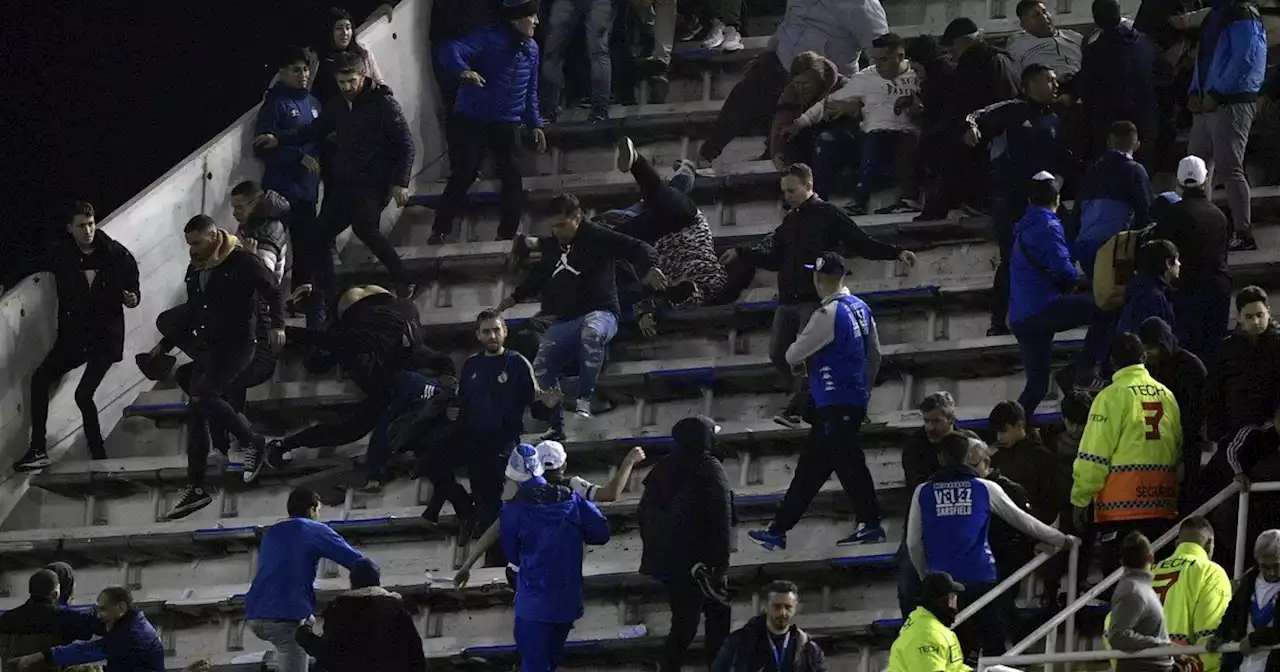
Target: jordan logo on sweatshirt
{"type": "Point", "coordinates": [564, 265]}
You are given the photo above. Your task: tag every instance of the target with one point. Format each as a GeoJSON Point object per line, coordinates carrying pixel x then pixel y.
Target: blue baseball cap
{"type": "Point", "coordinates": [829, 263]}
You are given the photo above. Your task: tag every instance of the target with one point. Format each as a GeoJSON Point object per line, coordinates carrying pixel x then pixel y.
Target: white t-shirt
{"type": "Point", "coordinates": [878, 96]}
{"type": "Point", "coordinates": [1264, 597]}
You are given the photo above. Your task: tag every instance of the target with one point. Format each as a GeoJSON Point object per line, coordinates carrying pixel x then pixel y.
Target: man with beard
{"type": "Point", "coordinates": [772, 633]}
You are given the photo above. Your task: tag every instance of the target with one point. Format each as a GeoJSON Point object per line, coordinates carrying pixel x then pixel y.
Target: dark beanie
{"type": "Point", "coordinates": [695, 433]}
{"type": "Point", "coordinates": [66, 580]}
{"type": "Point", "coordinates": [365, 573]}
{"type": "Point", "coordinates": [517, 9]}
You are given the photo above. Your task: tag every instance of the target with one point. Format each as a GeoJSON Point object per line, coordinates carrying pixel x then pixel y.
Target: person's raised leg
{"type": "Point", "coordinates": [560, 343]}
{"type": "Point", "coordinates": [290, 656]}
{"type": "Point", "coordinates": [749, 103]}
{"type": "Point", "coordinates": [598, 329]}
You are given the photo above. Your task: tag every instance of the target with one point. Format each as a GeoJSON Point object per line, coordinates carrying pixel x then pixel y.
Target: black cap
{"type": "Point", "coordinates": [696, 432]}
{"type": "Point", "coordinates": [939, 584]}
{"type": "Point", "coordinates": [829, 263]}
{"type": "Point", "coordinates": [510, 10]}
{"type": "Point", "coordinates": [958, 28]}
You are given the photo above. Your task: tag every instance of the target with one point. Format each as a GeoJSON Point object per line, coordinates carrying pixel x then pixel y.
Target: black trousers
{"type": "Point", "coordinates": [359, 207]}
{"type": "Point", "coordinates": [486, 469]}
{"type": "Point", "coordinates": [438, 466]}
{"type": "Point", "coordinates": [204, 432]}
{"type": "Point", "coordinates": [61, 360]}
{"type": "Point", "coordinates": [1110, 535]}
{"type": "Point", "coordinates": [472, 139]}
{"type": "Point", "coordinates": [688, 606]}
{"type": "Point", "coordinates": [214, 370]}
{"type": "Point", "coordinates": [834, 445]}
{"type": "Point", "coordinates": [354, 425]}
{"type": "Point", "coordinates": [304, 235]}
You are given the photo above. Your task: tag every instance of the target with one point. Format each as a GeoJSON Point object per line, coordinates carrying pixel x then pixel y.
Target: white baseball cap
{"type": "Point", "coordinates": [551, 454]}
{"type": "Point", "coordinates": [1192, 171]}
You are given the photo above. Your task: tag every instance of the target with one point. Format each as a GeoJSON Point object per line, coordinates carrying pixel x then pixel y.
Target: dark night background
{"type": "Point", "coordinates": [103, 96]}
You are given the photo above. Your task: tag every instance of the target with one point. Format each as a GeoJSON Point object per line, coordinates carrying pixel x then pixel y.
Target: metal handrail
{"type": "Point", "coordinates": [1016, 655]}
{"type": "Point", "coordinates": [1099, 656]}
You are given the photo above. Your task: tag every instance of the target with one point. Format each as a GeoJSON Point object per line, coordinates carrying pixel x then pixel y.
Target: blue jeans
{"type": "Point", "coordinates": [1202, 320]}
{"type": "Point", "coordinates": [885, 155]}
{"type": "Point", "coordinates": [1035, 342]}
{"type": "Point", "coordinates": [586, 338]}
{"type": "Point", "coordinates": [563, 21]}
{"type": "Point", "coordinates": [405, 389]}
{"type": "Point", "coordinates": [290, 657]}
{"type": "Point", "coordinates": [540, 644]}
{"type": "Point", "coordinates": [834, 147]}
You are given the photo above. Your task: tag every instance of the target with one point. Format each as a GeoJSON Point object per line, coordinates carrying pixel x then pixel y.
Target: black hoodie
{"type": "Point", "coordinates": [366, 629]}
{"type": "Point", "coordinates": [1244, 383]}
{"type": "Point", "coordinates": [686, 510]}
{"type": "Point", "coordinates": [984, 75]}
{"type": "Point", "coordinates": [1201, 232]}
{"type": "Point", "coordinates": [580, 277]}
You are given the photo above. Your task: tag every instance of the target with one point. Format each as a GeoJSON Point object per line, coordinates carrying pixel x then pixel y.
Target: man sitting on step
{"type": "Point", "coordinates": [576, 279]}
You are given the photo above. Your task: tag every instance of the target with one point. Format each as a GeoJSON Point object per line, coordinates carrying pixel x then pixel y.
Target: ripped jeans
{"type": "Point", "coordinates": [586, 338]}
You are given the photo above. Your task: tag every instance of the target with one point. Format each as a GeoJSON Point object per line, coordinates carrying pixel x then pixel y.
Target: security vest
{"type": "Point", "coordinates": [1128, 460]}
{"type": "Point", "coordinates": [925, 644]}
{"type": "Point", "coordinates": [1195, 592]}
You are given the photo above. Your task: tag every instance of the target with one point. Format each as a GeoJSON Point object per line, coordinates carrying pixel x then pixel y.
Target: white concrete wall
{"type": "Point", "coordinates": [150, 225]}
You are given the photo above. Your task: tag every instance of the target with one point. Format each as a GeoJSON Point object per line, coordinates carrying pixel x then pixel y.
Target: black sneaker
{"type": "Point", "coordinates": [659, 89]}
{"type": "Point", "coordinates": [193, 499]}
{"type": "Point", "coordinates": [689, 29]}
{"type": "Point", "coordinates": [436, 239]}
{"type": "Point", "coordinates": [599, 113]}
{"type": "Point", "coordinates": [156, 368]}
{"type": "Point", "coordinates": [626, 154]}
{"type": "Point", "coordinates": [34, 460]}
{"type": "Point", "coordinates": [855, 210]}
{"type": "Point", "coordinates": [276, 456]}
{"type": "Point", "coordinates": [553, 434]}
{"type": "Point", "coordinates": [407, 290]}
{"type": "Point", "coordinates": [998, 330]}
{"type": "Point", "coordinates": [901, 207]}
{"type": "Point", "coordinates": [254, 459]}
{"type": "Point", "coordinates": [1242, 242]}
{"type": "Point", "coordinates": [788, 420]}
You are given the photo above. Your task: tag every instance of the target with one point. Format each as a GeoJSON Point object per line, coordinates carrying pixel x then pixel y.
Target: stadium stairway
{"type": "Point", "coordinates": [191, 575]}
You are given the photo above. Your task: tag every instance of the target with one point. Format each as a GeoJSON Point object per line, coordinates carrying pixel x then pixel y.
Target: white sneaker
{"type": "Point", "coordinates": [732, 39]}
{"type": "Point", "coordinates": [715, 36]}
{"type": "Point", "coordinates": [583, 409]}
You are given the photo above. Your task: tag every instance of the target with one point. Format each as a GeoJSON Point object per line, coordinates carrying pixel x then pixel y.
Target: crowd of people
{"type": "Point", "coordinates": [1157, 383]}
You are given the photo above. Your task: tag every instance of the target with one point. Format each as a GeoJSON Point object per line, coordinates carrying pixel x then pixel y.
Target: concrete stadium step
{"type": "Point", "coordinates": [123, 477]}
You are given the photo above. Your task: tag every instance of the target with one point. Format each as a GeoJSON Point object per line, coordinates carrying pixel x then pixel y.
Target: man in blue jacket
{"type": "Point", "coordinates": [947, 530]}
{"type": "Point", "coordinates": [1026, 136]}
{"type": "Point", "coordinates": [1115, 195]}
{"type": "Point", "coordinates": [1041, 303]}
{"type": "Point", "coordinates": [293, 171]}
{"type": "Point", "coordinates": [1225, 82]}
{"type": "Point", "coordinates": [497, 67]}
{"type": "Point", "coordinates": [1149, 292]}
{"type": "Point", "coordinates": [130, 643]}
{"type": "Point", "coordinates": [543, 529]}
{"type": "Point", "coordinates": [840, 350]}
{"type": "Point", "coordinates": [282, 594]}
{"type": "Point", "coordinates": [1120, 72]}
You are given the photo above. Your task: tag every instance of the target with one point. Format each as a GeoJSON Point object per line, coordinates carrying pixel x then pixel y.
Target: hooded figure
{"type": "Point", "coordinates": [544, 527]}
{"type": "Point", "coordinates": [685, 516]}
{"type": "Point", "coordinates": [66, 580]}
{"type": "Point", "coordinates": [1185, 375]}
{"type": "Point", "coordinates": [367, 627]}
{"type": "Point", "coordinates": [812, 79]}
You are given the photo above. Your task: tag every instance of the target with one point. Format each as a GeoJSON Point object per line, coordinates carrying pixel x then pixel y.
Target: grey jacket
{"type": "Point", "coordinates": [1137, 622]}
{"type": "Point", "coordinates": [837, 29]}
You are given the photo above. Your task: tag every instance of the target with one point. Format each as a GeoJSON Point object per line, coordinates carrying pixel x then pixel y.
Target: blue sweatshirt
{"type": "Point", "coordinates": [493, 393]}
{"type": "Point", "coordinates": [285, 109]}
{"type": "Point", "coordinates": [948, 523]}
{"type": "Point", "coordinates": [1025, 138]}
{"type": "Point", "coordinates": [1032, 289]}
{"type": "Point", "coordinates": [131, 646]}
{"type": "Point", "coordinates": [1232, 58]}
{"type": "Point", "coordinates": [508, 61]}
{"type": "Point", "coordinates": [543, 529]}
{"type": "Point", "coordinates": [842, 349]}
{"type": "Point", "coordinates": [1116, 195]}
{"type": "Point", "coordinates": [284, 587]}
{"type": "Point", "coordinates": [1145, 296]}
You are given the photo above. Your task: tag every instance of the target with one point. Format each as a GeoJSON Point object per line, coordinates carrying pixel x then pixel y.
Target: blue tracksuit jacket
{"type": "Point", "coordinates": [1232, 58]}
{"type": "Point", "coordinates": [285, 109]}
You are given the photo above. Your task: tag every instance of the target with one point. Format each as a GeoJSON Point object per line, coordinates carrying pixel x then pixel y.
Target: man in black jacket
{"type": "Point", "coordinates": [1250, 618]}
{"type": "Point", "coordinates": [771, 641]}
{"type": "Point", "coordinates": [365, 628]}
{"type": "Point", "coordinates": [96, 278]}
{"type": "Point", "coordinates": [1184, 374]}
{"type": "Point", "coordinates": [1201, 232]}
{"type": "Point", "coordinates": [41, 622]}
{"type": "Point", "coordinates": [1245, 380]}
{"type": "Point", "coordinates": [984, 75]}
{"type": "Point", "coordinates": [372, 163]}
{"type": "Point", "coordinates": [1027, 461]}
{"type": "Point", "coordinates": [218, 327]}
{"type": "Point", "coordinates": [920, 460]}
{"type": "Point", "coordinates": [810, 228]}
{"type": "Point", "coordinates": [578, 284]}
{"type": "Point", "coordinates": [685, 516]}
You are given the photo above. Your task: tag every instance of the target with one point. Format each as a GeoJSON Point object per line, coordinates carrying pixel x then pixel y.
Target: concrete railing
{"type": "Point", "coordinates": [150, 225]}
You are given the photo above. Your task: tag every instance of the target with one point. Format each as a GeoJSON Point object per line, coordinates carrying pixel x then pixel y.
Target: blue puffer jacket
{"type": "Point", "coordinates": [1145, 296]}
{"type": "Point", "coordinates": [508, 61]}
{"type": "Point", "coordinates": [543, 529]}
{"type": "Point", "coordinates": [1232, 58]}
{"type": "Point", "coordinates": [1115, 196]}
{"type": "Point", "coordinates": [1031, 289]}
{"type": "Point", "coordinates": [285, 109]}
